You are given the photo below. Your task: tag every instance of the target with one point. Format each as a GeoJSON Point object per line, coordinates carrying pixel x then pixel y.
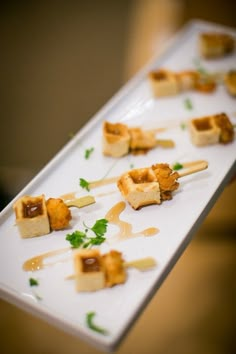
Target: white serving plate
{"type": "Point", "coordinates": [117, 308]}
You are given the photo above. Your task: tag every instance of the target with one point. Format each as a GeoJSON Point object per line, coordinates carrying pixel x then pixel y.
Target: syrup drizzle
{"type": "Point", "coordinates": [113, 216]}
{"type": "Point", "coordinates": [125, 228]}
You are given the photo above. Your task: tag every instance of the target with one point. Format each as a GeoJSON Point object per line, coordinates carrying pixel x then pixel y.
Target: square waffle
{"type": "Point", "coordinates": [116, 139]}
{"type": "Point", "coordinates": [164, 83]}
{"type": "Point", "coordinates": [89, 270]}
{"type": "Point", "coordinates": [140, 187]}
{"type": "Point", "coordinates": [31, 216]}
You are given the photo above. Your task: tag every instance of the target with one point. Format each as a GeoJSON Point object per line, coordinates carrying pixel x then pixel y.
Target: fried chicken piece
{"type": "Point", "coordinates": [114, 270]}
{"type": "Point", "coordinates": [230, 82]}
{"type": "Point", "coordinates": [58, 213]}
{"type": "Point", "coordinates": [141, 141]}
{"type": "Point", "coordinates": [167, 180]}
{"type": "Point", "coordinates": [226, 128]}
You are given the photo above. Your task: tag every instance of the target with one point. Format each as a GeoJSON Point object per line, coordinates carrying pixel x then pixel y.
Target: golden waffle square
{"type": "Point", "coordinates": [203, 131]}
{"type": "Point", "coordinates": [31, 216]}
{"type": "Point", "coordinates": [116, 139]}
{"type": "Point", "coordinates": [215, 44]}
{"type": "Point", "coordinates": [140, 187]}
{"type": "Point", "coordinates": [164, 83]}
{"type": "Point", "coordinates": [141, 140]}
{"type": "Point", "coordinates": [89, 270]}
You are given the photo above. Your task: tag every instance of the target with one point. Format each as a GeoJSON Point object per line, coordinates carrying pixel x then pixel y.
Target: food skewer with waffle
{"type": "Point", "coordinates": [36, 216]}
{"type": "Point", "coordinates": [119, 140]}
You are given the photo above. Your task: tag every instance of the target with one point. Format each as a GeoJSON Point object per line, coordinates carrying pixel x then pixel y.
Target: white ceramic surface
{"type": "Point", "coordinates": [118, 307]}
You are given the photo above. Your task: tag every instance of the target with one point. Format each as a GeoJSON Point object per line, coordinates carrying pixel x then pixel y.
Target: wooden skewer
{"type": "Point", "coordinates": [194, 166]}
{"type": "Point", "coordinates": [141, 264]}
{"type": "Point", "coordinates": [80, 202]}
{"type": "Point", "coordinates": [165, 143]}
{"type": "Point", "coordinates": [193, 169]}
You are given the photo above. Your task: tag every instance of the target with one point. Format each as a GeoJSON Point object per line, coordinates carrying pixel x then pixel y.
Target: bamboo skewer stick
{"type": "Point", "coordinates": [193, 169]}
{"type": "Point", "coordinates": [80, 202]}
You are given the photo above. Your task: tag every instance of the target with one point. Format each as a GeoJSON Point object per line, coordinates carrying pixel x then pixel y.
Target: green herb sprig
{"type": "Point", "coordinates": [188, 104]}
{"type": "Point", "coordinates": [84, 184]}
{"type": "Point", "coordinates": [177, 166]}
{"type": "Point", "coordinates": [89, 321]}
{"type": "Point", "coordinates": [33, 282]}
{"type": "Point", "coordinates": [83, 239]}
{"type": "Point", "coordinates": [88, 153]}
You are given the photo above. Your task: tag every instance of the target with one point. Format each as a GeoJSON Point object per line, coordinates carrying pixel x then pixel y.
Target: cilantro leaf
{"type": "Point", "coordinates": [188, 104]}
{"type": "Point", "coordinates": [183, 125]}
{"type": "Point", "coordinates": [177, 166]}
{"type": "Point", "coordinates": [100, 227]}
{"type": "Point", "coordinates": [89, 320]}
{"type": "Point", "coordinates": [88, 152]}
{"type": "Point", "coordinates": [82, 239]}
{"type": "Point", "coordinates": [84, 184]}
{"type": "Point", "coordinates": [33, 282]}
{"type": "Point", "coordinates": [76, 239]}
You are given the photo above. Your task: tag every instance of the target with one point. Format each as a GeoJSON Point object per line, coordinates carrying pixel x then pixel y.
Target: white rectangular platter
{"type": "Point", "coordinates": [55, 299]}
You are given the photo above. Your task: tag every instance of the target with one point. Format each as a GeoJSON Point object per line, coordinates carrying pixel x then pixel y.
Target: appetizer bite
{"type": "Point", "coordinates": [215, 44]}
{"type": "Point", "coordinates": [145, 186]}
{"type": "Point", "coordinates": [211, 130]}
{"type": "Point", "coordinates": [36, 216]}
{"type": "Point", "coordinates": [168, 83]}
{"type": "Point", "coordinates": [230, 82]}
{"type": "Point", "coordinates": [153, 185]}
{"type": "Point", "coordinates": [119, 140]}
{"type": "Point", "coordinates": [94, 271]}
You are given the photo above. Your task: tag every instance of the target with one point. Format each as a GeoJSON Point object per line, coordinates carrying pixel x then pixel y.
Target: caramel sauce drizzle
{"type": "Point", "coordinates": [37, 262]}
{"type": "Point", "coordinates": [113, 216]}
{"type": "Point", "coordinates": [125, 228]}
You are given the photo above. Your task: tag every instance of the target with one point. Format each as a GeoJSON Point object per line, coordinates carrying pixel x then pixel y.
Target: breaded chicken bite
{"type": "Point", "coordinates": [114, 270]}
{"type": "Point", "coordinates": [58, 212]}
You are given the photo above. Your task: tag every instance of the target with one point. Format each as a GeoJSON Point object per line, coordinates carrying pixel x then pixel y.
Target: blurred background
{"type": "Point", "coordinates": [60, 63]}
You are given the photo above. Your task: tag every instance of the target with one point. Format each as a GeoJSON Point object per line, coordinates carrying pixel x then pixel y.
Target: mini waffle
{"type": "Point", "coordinates": [116, 139]}
{"type": "Point", "coordinates": [31, 216]}
{"type": "Point", "coordinates": [164, 83]}
{"type": "Point", "coordinates": [89, 270]}
{"type": "Point", "coordinates": [140, 187]}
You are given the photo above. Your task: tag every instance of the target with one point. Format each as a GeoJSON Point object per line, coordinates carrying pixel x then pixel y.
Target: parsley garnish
{"type": "Point", "coordinates": [88, 152]}
{"type": "Point", "coordinates": [200, 68]}
{"type": "Point", "coordinates": [33, 282]}
{"type": "Point", "coordinates": [82, 239]}
{"type": "Point", "coordinates": [177, 166]}
{"type": "Point", "coordinates": [91, 325]}
{"type": "Point", "coordinates": [183, 125]}
{"type": "Point", "coordinates": [188, 104]}
{"type": "Point", "coordinates": [84, 184]}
